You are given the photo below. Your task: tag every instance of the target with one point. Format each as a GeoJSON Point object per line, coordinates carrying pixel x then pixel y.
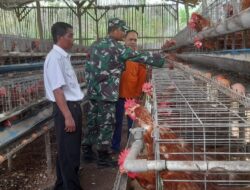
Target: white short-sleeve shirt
{"type": "Point", "coordinates": [59, 73]}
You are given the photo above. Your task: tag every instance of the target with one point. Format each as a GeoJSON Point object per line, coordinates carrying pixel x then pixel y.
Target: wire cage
{"type": "Point", "coordinates": [214, 29]}
{"type": "Point", "coordinates": [198, 122]}
{"type": "Point", "coordinates": [17, 44]}
{"type": "Point", "coordinates": [14, 43]}
{"type": "Point", "coordinates": [18, 93]}
{"type": "Point", "coordinates": [219, 10]}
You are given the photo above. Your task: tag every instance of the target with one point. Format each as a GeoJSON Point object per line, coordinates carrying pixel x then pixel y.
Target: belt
{"type": "Point", "coordinates": [71, 102]}
{"type": "Point", "coordinates": [74, 102]}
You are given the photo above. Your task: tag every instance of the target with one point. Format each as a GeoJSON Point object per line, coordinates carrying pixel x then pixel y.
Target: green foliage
{"type": "Point", "coordinates": [182, 18]}
{"type": "Point", "coordinates": [155, 23]}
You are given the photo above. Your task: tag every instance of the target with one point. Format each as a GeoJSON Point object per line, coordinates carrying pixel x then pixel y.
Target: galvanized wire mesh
{"type": "Point", "coordinates": [216, 12]}
{"type": "Point", "coordinates": [219, 10]}
{"type": "Point", "coordinates": [18, 93]}
{"type": "Point", "coordinates": [14, 43]}
{"type": "Point", "coordinates": [197, 122]}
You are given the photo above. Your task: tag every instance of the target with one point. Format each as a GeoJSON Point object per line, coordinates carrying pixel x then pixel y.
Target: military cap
{"type": "Point", "coordinates": [118, 23]}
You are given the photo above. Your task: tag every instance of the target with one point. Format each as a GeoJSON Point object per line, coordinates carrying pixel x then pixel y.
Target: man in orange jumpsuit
{"type": "Point", "coordinates": [131, 83]}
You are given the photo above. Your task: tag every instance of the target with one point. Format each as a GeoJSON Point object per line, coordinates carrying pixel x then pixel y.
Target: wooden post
{"type": "Point", "coordinates": [39, 20]}
{"type": "Point", "coordinates": [187, 11]}
{"type": "Point", "coordinates": [79, 14]}
{"type": "Point", "coordinates": [79, 17]}
{"type": "Point", "coordinates": [9, 159]}
{"type": "Point", "coordinates": [48, 152]}
{"type": "Point", "coordinates": [177, 16]}
{"type": "Point", "coordinates": [96, 23]}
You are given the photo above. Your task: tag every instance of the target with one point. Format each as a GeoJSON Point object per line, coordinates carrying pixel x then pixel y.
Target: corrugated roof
{"type": "Point", "coordinates": [10, 4]}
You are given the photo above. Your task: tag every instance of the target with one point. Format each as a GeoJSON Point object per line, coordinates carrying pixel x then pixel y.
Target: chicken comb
{"type": "Point", "coordinates": [123, 155]}
{"type": "Point", "coordinates": [198, 44]}
{"type": "Point", "coordinates": [129, 103]}
{"type": "Point", "coordinates": [147, 88]}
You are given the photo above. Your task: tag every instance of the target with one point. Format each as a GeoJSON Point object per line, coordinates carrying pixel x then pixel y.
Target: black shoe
{"type": "Point", "coordinates": [106, 160]}
{"type": "Point", "coordinates": [88, 154]}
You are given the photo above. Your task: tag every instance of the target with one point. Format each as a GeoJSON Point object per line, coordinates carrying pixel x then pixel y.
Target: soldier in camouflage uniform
{"type": "Point", "coordinates": [103, 71]}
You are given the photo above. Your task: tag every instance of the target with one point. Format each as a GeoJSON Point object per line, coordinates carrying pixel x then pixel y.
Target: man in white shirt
{"type": "Point", "coordinates": [62, 88]}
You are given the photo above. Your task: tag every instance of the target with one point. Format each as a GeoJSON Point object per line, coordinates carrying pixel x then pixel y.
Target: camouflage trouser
{"type": "Point", "coordinates": [100, 124]}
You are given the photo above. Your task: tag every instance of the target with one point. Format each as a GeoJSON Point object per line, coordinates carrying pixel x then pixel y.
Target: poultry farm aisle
{"type": "Point", "coordinates": [93, 178]}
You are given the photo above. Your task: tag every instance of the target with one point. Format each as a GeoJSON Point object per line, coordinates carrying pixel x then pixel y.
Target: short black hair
{"type": "Point", "coordinates": [59, 29]}
{"type": "Point", "coordinates": [129, 31]}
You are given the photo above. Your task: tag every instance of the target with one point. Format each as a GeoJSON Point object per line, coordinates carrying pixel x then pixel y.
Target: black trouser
{"type": "Point", "coordinates": [68, 147]}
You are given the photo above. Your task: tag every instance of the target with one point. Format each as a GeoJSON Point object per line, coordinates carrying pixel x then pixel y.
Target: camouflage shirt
{"type": "Point", "coordinates": [105, 64]}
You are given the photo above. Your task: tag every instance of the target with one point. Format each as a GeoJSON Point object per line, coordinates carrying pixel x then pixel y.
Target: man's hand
{"type": "Point", "coordinates": [70, 125]}
{"type": "Point", "coordinates": [168, 44]}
